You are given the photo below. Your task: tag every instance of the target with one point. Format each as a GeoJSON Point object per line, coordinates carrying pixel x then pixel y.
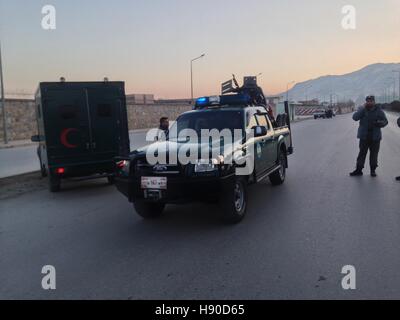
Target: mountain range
{"type": "Point", "coordinates": [376, 79]}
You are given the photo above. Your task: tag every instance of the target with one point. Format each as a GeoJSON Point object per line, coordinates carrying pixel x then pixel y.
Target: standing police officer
{"type": "Point", "coordinates": [398, 123]}
{"type": "Point", "coordinates": [372, 119]}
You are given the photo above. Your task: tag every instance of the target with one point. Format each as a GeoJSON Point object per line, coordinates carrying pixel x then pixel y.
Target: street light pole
{"type": "Point", "coordinates": [191, 74]}
{"type": "Point", "coordinates": [3, 102]}
{"type": "Point", "coordinates": [307, 92]}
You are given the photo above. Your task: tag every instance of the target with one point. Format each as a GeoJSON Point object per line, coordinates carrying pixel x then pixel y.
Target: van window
{"type": "Point", "coordinates": [104, 110]}
{"type": "Point", "coordinates": [68, 111]}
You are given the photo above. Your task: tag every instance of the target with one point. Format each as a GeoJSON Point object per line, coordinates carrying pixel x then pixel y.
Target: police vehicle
{"type": "Point", "coordinates": [82, 127]}
{"type": "Point", "coordinates": [152, 186]}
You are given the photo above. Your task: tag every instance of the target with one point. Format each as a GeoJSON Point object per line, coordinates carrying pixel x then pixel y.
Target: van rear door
{"type": "Point", "coordinates": [66, 125]}
{"type": "Point", "coordinates": [105, 107]}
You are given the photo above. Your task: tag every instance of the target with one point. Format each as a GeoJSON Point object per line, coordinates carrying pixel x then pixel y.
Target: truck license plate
{"type": "Point", "coordinates": [158, 183]}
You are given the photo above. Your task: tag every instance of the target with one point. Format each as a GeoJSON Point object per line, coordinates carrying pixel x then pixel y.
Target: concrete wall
{"type": "Point", "coordinates": [148, 116]}
{"type": "Point", "coordinates": [21, 122]}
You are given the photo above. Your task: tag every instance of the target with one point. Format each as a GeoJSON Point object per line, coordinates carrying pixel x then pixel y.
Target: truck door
{"type": "Point", "coordinates": [272, 147]}
{"type": "Point", "coordinates": [267, 142]}
{"type": "Point", "coordinates": [66, 125]}
{"type": "Point", "coordinates": [105, 105]}
{"type": "Point", "coordinates": [259, 160]}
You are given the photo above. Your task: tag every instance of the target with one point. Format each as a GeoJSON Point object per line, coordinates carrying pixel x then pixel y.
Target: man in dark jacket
{"type": "Point", "coordinates": [372, 119]}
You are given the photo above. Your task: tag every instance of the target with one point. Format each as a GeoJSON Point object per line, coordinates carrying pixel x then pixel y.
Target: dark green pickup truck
{"type": "Point", "coordinates": [264, 145]}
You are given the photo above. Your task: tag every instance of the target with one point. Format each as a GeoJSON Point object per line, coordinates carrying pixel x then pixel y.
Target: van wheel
{"type": "Point", "coordinates": [43, 171]}
{"type": "Point", "coordinates": [54, 183]}
{"type": "Point", "coordinates": [278, 176]}
{"type": "Point", "coordinates": [234, 201]}
{"type": "Point", "coordinates": [111, 179]}
{"type": "Point", "coordinates": [148, 210]}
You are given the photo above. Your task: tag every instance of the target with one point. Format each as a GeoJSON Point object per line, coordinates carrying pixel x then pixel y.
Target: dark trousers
{"type": "Point", "coordinates": [373, 147]}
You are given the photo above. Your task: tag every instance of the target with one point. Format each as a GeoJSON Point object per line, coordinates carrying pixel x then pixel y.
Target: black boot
{"type": "Point", "coordinates": [357, 172]}
{"type": "Point", "coordinates": [373, 173]}
{"type": "Point", "coordinates": [398, 178]}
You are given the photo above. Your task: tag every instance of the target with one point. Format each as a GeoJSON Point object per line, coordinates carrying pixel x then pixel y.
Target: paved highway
{"type": "Point", "coordinates": [293, 243]}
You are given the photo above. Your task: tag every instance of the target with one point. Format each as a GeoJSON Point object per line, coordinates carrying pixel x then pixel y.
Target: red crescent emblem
{"type": "Point", "coordinates": [64, 136]}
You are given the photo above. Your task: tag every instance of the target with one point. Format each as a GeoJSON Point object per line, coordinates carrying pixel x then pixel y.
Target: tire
{"type": "Point", "coordinates": [43, 171]}
{"type": "Point", "coordinates": [54, 183]}
{"type": "Point", "coordinates": [278, 176]}
{"type": "Point", "coordinates": [234, 201]}
{"type": "Point", "coordinates": [148, 210]}
{"type": "Point", "coordinates": [111, 179]}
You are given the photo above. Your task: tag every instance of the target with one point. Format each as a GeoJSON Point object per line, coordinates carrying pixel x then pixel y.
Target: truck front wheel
{"type": "Point", "coordinates": [234, 201]}
{"type": "Point", "coordinates": [148, 210]}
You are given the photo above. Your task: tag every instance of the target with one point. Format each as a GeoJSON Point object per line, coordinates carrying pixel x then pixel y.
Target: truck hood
{"type": "Point", "coordinates": [173, 147]}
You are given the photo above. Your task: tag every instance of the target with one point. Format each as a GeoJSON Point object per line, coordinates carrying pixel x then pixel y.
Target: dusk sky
{"type": "Point", "coordinates": [149, 44]}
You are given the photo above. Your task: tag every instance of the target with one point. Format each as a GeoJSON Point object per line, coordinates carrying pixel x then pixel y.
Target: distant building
{"type": "Point", "coordinates": [306, 103]}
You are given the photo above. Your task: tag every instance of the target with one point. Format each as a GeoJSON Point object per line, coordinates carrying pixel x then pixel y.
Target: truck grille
{"type": "Point", "coordinates": [144, 168]}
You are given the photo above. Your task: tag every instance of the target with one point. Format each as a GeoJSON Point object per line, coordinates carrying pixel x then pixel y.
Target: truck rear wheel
{"type": "Point", "coordinates": [234, 201]}
{"type": "Point", "coordinates": [278, 176]}
{"type": "Point", "coordinates": [148, 210]}
{"type": "Point", "coordinates": [54, 183]}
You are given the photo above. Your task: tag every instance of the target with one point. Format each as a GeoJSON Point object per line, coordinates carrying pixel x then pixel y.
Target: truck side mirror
{"type": "Point", "coordinates": [259, 131]}
{"type": "Point", "coordinates": [35, 138]}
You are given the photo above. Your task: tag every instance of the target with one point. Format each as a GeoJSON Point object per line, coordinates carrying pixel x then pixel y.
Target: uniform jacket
{"type": "Point", "coordinates": [371, 122]}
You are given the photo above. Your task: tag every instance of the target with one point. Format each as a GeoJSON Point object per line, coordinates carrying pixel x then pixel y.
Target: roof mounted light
{"type": "Point", "coordinates": [62, 79]}
{"type": "Point", "coordinates": [230, 99]}
{"type": "Point", "coordinates": [214, 100]}
{"type": "Point", "coordinates": [105, 79]}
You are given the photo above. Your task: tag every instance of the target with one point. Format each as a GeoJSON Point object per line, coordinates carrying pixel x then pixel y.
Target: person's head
{"type": "Point", "coordinates": [164, 123]}
{"type": "Point", "coordinates": [369, 101]}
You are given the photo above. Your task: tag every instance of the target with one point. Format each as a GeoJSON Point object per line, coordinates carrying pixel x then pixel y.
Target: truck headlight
{"type": "Point", "coordinates": [208, 165]}
{"type": "Point", "coordinates": [204, 166]}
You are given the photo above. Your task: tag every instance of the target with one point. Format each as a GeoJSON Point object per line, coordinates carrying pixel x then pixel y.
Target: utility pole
{"type": "Point", "coordinates": [191, 75]}
{"type": "Point", "coordinates": [3, 101]}
{"type": "Point", "coordinates": [398, 71]}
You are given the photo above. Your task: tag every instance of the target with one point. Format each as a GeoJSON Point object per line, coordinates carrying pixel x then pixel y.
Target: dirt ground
{"type": "Point", "coordinates": [16, 185]}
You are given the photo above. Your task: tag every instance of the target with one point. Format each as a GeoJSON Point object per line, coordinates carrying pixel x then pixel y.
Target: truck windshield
{"type": "Point", "coordinates": [207, 120]}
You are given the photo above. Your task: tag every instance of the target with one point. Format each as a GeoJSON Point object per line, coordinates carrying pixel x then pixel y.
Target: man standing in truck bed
{"type": "Point", "coordinates": [372, 119]}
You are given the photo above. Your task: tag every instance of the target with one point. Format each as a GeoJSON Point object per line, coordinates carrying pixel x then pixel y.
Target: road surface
{"type": "Point", "coordinates": [292, 245]}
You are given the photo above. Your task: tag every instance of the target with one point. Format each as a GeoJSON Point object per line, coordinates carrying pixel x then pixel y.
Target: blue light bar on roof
{"type": "Point", "coordinates": [230, 99]}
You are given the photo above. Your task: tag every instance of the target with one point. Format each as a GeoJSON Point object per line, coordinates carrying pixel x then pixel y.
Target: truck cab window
{"type": "Point", "coordinates": [262, 121]}
{"type": "Point", "coordinates": [251, 121]}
